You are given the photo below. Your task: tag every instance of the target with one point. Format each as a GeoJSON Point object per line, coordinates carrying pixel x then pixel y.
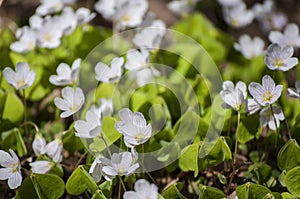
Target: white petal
{"type": "Point", "coordinates": [5, 159]}
{"type": "Point", "coordinates": [131, 195]}
{"type": "Point", "coordinates": [41, 166]}
{"type": "Point", "coordinates": [15, 180]}
{"type": "Point", "coordinates": [5, 173]}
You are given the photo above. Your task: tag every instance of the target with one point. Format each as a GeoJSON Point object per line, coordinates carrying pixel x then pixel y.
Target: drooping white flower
{"type": "Point", "coordinates": [84, 15]}
{"type": "Point", "coordinates": [39, 144]}
{"type": "Point", "coordinates": [65, 74]}
{"type": "Point", "coordinates": [250, 47]}
{"type": "Point", "coordinates": [267, 118]}
{"type": "Point", "coordinates": [11, 170]}
{"type": "Point", "coordinates": [105, 107]}
{"type": "Point", "coordinates": [267, 93]}
{"type": "Point", "coordinates": [233, 96]}
{"type": "Point", "coordinates": [96, 169]}
{"type": "Point", "coordinates": [71, 102]}
{"type": "Point", "coordinates": [290, 36]}
{"type": "Point", "coordinates": [150, 37]}
{"type": "Point", "coordinates": [280, 58]}
{"type": "Point", "coordinates": [182, 7]}
{"type": "Point", "coordinates": [142, 190]}
{"type": "Point", "coordinates": [41, 166]}
{"type": "Point", "coordinates": [90, 128]}
{"type": "Point", "coordinates": [134, 127]}
{"type": "Point", "coordinates": [109, 74]}
{"type": "Point", "coordinates": [120, 164]}
{"type": "Point", "coordinates": [295, 92]}
{"type": "Point", "coordinates": [137, 59]}
{"type": "Point", "coordinates": [26, 41]}
{"type": "Point", "coordinates": [238, 16]}
{"type": "Point", "coordinates": [54, 150]}
{"type": "Point", "coordinates": [22, 78]}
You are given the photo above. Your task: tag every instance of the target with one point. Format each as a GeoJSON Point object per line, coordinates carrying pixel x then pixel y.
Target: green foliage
{"type": "Point", "coordinates": [173, 191]}
{"type": "Point", "coordinates": [210, 192]}
{"type": "Point", "coordinates": [252, 191]}
{"type": "Point", "coordinates": [80, 181]}
{"type": "Point", "coordinates": [286, 157]}
{"type": "Point", "coordinates": [292, 180]}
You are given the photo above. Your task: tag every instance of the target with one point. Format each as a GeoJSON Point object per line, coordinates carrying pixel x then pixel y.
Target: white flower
{"type": "Point", "coordinates": [11, 170]}
{"type": "Point", "coordinates": [150, 37]}
{"type": "Point", "coordinates": [250, 47]}
{"type": "Point", "coordinates": [22, 78]}
{"type": "Point", "coordinates": [39, 144]}
{"type": "Point", "coordinates": [145, 75]}
{"type": "Point", "coordinates": [41, 166]}
{"type": "Point", "coordinates": [65, 74]}
{"type": "Point", "coordinates": [266, 117]}
{"type": "Point", "coordinates": [26, 42]}
{"type": "Point", "coordinates": [131, 13]}
{"type": "Point", "coordinates": [90, 128]}
{"type": "Point", "coordinates": [49, 7]}
{"type": "Point", "coordinates": [295, 92]}
{"type": "Point", "coordinates": [134, 127]}
{"type": "Point", "coordinates": [181, 7]}
{"type": "Point", "coordinates": [96, 169]}
{"type": "Point", "coordinates": [137, 59]}
{"type": "Point", "coordinates": [36, 22]}
{"type": "Point", "coordinates": [262, 11]}
{"type": "Point", "coordinates": [107, 8]}
{"type": "Point", "coordinates": [233, 97]}
{"type": "Point", "coordinates": [49, 35]}
{"type": "Point", "coordinates": [112, 73]}
{"type": "Point", "coordinates": [105, 107]}
{"type": "Point", "coordinates": [290, 36]}
{"type": "Point", "coordinates": [66, 22]}
{"type": "Point", "coordinates": [280, 58]}
{"type": "Point", "coordinates": [238, 16]}
{"type": "Point", "coordinates": [54, 150]}
{"type": "Point", "coordinates": [267, 93]}
{"type": "Point", "coordinates": [120, 164]}
{"type": "Point", "coordinates": [142, 190]}
{"type": "Point", "coordinates": [72, 101]}
{"type": "Point", "coordinates": [252, 106]}
{"type": "Point", "coordinates": [229, 3]}
{"type": "Point", "coordinates": [84, 15]}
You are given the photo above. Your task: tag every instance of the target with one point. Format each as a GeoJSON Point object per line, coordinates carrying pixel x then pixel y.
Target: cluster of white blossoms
{"type": "Point", "coordinates": [250, 47]}
{"type": "Point", "coordinates": [46, 30]}
{"type": "Point", "coordinates": [237, 15]}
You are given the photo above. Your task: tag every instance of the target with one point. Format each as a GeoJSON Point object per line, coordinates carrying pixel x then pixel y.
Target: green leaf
{"type": "Point", "coordinates": [13, 139]}
{"type": "Point", "coordinates": [210, 192]}
{"type": "Point", "coordinates": [173, 191]}
{"type": "Point", "coordinates": [48, 186]}
{"type": "Point", "coordinates": [71, 142]}
{"type": "Point", "coordinates": [252, 191]}
{"type": "Point", "coordinates": [98, 195]}
{"type": "Point", "coordinates": [261, 172]}
{"type": "Point", "coordinates": [26, 190]}
{"type": "Point", "coordinates": [286, 195]}
{"type": "Point", "coordinates": [110, 135]}
{"type": "Point", "coordinates": [13, 108]}
{"type": "Point", "coordinates": [287, 158]}
{"type": "Point", "coordinates": [188, 161]}
{"type": "Point", "coordinates": [80, 181]}
{"type": "Point", "coordinates": [106, 188]}
{"type": "Point", "coordinates": [292, 180]}
{"type": "Point", "coordinates": [249, 128]}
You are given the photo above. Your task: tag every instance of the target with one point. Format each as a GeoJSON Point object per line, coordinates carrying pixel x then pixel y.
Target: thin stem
{"type": "Point", "coordinates": [143, 160]}
{"type": "Point", "coordinates": [25, 111]}
{"type": "Point", "coordinates": [78, 162]}
{"type": "Point", "coordinates": [287, 125]}
{"type": "Point", "coordinates": [107, 147]}
{"type": "Point", "coordinates": [235, 152]}
{"type": "Point", "coordinates": [122, 183]}
{"type": "Point", "coordinates": [149, 175]}
{"type": "Point", "coordinates": [32, 124]}
{"type": "Point", "coordinates": [276, 126]}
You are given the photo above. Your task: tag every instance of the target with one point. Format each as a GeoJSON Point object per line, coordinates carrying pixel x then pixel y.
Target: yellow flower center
{"type": "Point", "coordinates": [267, 96]}
{"type": "Point", "coordinates": [74, 107]}
{"type": "Point", "coordinates": [21, 83]}
{"type": "Point", "coordinates": [15, 167]}
{"type": "Point", "coordinates": [139, 137]}
{"type": "Point", "coordinates": [125, 18]}
{"type": "Point", "coordinates": [121, 170]}
{"type": "Point", "coordinates": [47, 37]}
{"type": "Point", "coordinates": [278, 62]}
